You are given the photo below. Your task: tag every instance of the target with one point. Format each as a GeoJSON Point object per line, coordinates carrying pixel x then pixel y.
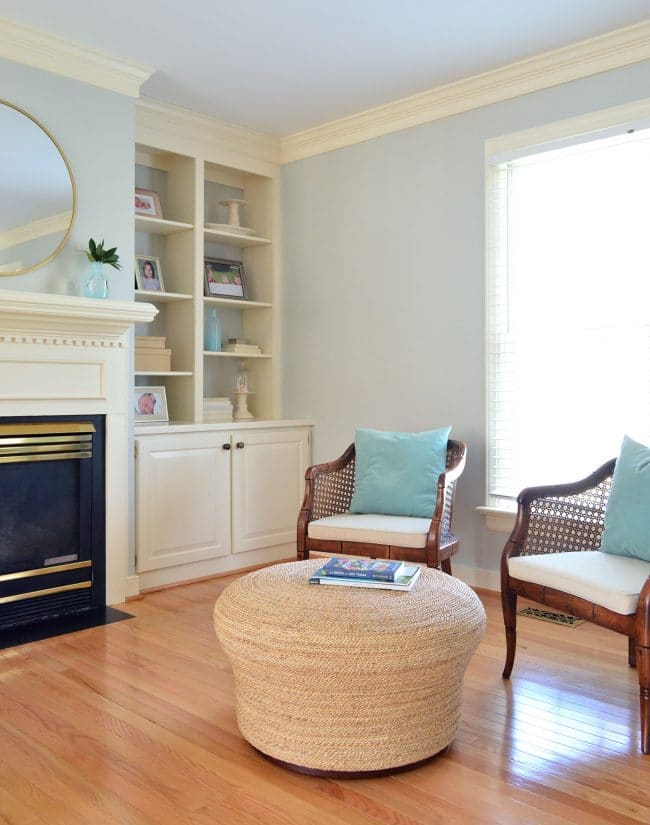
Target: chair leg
{"type": "Point", "coordinates": [631, 651]}
{"type": "Point", "coordinates": [643, 669]}
{"type": "Point", "coordinates": [509, 605]}
{"type": "Point", "coordinates": [301, 550]}
{"type": "Point", "coordinates": [445, 566]}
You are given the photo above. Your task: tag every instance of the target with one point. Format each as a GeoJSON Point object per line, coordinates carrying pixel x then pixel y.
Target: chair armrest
{"type": "Point", "coordinates": [329, 487]}
{"type": "Point", "coordinates": [440, 528]}
{"type": "Point", "coordinates": [561, 517]}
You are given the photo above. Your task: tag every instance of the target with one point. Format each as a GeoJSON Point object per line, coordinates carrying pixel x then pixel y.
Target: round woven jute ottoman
{"type": "Point", "coordinates": [341, 681]}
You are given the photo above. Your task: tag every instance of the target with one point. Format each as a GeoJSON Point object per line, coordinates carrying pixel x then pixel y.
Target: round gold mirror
{"type": "Point", "coordinates": [38, 197]}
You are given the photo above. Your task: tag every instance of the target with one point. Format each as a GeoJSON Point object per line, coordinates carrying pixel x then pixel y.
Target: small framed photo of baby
{"type": "Point", "coordinates": [148, 274]}
{"type": "Point", "coordinates": [224, 278]}
{"type": "Point", "coordinates": [147, 203]}
{"type": "Point", "coordinates": [150, 405]}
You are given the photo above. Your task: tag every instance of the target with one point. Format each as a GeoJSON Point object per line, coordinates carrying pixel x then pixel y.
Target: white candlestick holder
{"type": "Point", "coordinates": [241, 411]}
{"type": "Point", "coordinates": [234, 206]}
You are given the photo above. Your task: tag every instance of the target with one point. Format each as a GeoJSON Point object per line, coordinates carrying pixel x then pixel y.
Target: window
{"type": "Point", "coordinates": [568, 308]}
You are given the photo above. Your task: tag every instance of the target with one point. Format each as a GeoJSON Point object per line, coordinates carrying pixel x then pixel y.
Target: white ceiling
{"type": "Point", "coordinates": [281, 66]}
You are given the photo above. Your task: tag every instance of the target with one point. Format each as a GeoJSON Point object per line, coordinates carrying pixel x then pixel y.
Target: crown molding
{"type": "Point", "coordinates": [41, 50]}
{"type": "Point", "coordinates": [164, 125]}
{"type": "Point", "coordinates": [621, 47]}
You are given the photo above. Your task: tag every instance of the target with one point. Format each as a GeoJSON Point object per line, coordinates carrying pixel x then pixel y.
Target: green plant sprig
{"type": "Point", "coordinates": [96, 252]}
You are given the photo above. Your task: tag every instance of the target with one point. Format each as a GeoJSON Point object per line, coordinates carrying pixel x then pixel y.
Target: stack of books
{"type": "Point", "coordinates": [216, 410]}
{"type": "Point", "coordinates": [151, 355]}
{"type": "Point", "coordinates": [383, 575]}
{"type": "Point", "coordinates": [242, 346]}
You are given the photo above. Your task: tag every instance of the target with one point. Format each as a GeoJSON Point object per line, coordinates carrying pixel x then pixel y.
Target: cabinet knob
{"type": "Point", "coordinates": [240, 445]}
{"type": "Point", "coordinates": [225, 446]}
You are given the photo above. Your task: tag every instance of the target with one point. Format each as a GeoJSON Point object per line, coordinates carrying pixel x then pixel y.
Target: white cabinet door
{"type": "Point", "coordinates": [182, 499]}
{"type": "Point", "coordinates": [268, 477]}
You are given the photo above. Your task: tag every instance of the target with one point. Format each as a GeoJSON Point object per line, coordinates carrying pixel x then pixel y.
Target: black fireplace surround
{"type": "Point", "coordinates": [52, 520]}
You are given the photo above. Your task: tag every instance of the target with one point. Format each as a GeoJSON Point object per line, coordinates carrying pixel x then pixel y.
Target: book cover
{"type": "Point", "coordinates": [404, 582]}
{"type": "Point", "coordinates": [378, 570]}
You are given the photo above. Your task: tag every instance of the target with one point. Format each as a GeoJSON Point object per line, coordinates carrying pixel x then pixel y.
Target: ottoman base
{"type": "Point", "coordinates": [349, 774]}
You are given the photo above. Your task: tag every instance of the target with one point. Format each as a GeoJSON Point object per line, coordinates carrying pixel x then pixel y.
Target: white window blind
{"type": "Point", "coordinates": [568, 310]}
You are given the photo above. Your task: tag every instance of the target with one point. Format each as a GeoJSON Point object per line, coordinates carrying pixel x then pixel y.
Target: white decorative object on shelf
{"type": "Point", "coordinates": [241, 390]}
{"type": "Point", "coordinates": [217, 409]}
{"type": "Point", "coordinates": [234, 205]}
{"type": "Point", "coordinates": [242, 346]}
{"type": "Point", "coordinates": [242, 413]}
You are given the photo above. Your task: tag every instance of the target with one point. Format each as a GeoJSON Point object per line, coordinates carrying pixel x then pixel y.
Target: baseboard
{"type": "Point", "coordinates": [476, 577]}
{"type": "Point", "coordinates": [239, 571]}
{"type": "Point", "coordinates": [473, 576]}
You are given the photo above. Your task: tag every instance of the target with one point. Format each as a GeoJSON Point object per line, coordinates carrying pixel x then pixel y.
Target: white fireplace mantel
{"type": "Point", "coordinates": [64, 355]}
{"type": "Point", "coordinates": [38, 313]}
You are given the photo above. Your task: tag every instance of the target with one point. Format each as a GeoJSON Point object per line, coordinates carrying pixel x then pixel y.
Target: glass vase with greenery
{"type": "Point", "coordinates": [97, 285]}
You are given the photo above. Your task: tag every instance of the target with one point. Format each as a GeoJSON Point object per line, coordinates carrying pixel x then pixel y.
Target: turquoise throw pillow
{"type": "Point", "coordinates": [396, 473]}
{"type": "Point", "coordinates": [627, 516]}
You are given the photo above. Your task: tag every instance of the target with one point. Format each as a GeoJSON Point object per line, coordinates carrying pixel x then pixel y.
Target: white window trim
{"type": "Point", "coordinates": [631, 115]}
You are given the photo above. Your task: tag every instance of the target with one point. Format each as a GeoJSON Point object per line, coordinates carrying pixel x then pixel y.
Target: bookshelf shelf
{"type": "Point", "coordinates": [237, 303]}
{"type": "Point", "coordinates": [160, 297]}
{"type": "Point", "coordinates": [160, 226]}
{"type": "Point", "coordinates": [235, 355]}
{"type": "Point", "coordinates": [170, 374]}
{"type": "Point", "coordinates": [234, 238]}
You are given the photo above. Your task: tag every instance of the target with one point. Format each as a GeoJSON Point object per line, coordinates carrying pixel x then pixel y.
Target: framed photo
{"type": "Point", "coordinates": [148, 273]}
{"type": "Point", "coordinates": [149, 404]}
{"type": "Point", "coordinates": [224, 278]}
{"type": "Point", "coordinates": [147, 203]}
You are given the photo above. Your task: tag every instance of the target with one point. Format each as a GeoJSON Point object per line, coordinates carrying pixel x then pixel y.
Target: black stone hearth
{"type": "Point", "coordinates": [70, 623]}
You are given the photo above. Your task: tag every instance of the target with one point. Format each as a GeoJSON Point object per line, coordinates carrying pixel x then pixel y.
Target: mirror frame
{"type": "Point", "coordinates": [72, 183]}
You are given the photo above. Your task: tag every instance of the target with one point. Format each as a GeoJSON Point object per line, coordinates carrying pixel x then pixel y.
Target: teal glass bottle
{"type": "Point", "coordinates": [212, 331]}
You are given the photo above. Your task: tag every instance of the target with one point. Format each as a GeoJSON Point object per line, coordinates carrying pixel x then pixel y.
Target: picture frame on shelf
{"type": "Point", "coordinates": [147, 203]}
{"type": "Point", "coordinates": [148, 274]}
{"type": "Point", "coordinates": [150, 405]}
{"type": "Point", "coordinates": [224, 278]}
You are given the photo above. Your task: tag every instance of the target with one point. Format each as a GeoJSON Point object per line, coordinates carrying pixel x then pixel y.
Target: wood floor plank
{"type": "Point", "coordinates": [133, 724]}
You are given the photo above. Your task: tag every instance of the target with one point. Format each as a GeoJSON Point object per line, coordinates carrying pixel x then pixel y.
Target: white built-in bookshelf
{"type": "Point", "coordinates": [191, 178]}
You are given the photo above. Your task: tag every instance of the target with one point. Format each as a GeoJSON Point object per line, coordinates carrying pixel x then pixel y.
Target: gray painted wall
{"type": "Point", "coordinates": [95, 129]}
{"type": "Point", "coordinates": [384, 298]}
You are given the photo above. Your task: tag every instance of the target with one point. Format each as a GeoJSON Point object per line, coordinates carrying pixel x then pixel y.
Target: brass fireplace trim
{"type": "Point", "coordinates": [15, 459]}
{"type": "Point", "coordinates": [44, 571]}
{"type": "Point", "coordinates": [45, 442]}
{"type": "Point", "coordinates": [49, 591]}
{"type": "Point", "coordinates": [44, 428]}
{"type": "Point", "coordinates": [46, 439]}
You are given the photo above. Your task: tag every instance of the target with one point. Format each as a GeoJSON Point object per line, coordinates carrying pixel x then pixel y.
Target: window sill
{"type": "Point", "coordinates": [497, 519]}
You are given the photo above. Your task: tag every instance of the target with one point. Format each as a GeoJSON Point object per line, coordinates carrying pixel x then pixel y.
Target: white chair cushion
{"type": "Point", "coordinates": [613, 582]}
{"type": "Point", "coordinates": [405, 531]}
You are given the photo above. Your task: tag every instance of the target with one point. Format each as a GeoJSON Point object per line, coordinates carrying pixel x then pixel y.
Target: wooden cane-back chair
{"type": "Point", "coordinates": [552, 558]}
{"type": "Point", "coordinates": [325, 525]}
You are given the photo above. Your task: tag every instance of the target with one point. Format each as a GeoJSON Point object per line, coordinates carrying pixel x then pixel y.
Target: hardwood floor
{"type": "Point", "coordinates": [134, 723]}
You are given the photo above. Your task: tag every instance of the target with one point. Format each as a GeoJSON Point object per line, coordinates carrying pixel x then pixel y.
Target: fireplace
{"type": "Point", "coordinates": [66, 359]}
{"type": "Point", "coordinates": [52, 517]}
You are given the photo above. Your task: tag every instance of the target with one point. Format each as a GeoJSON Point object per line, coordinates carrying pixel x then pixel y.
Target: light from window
{"type": "Point", "coordinates": [569, 311]}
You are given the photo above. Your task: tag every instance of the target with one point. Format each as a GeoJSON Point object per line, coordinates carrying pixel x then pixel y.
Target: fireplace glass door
{"type": "Point", "coordinates": [51, 517]}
